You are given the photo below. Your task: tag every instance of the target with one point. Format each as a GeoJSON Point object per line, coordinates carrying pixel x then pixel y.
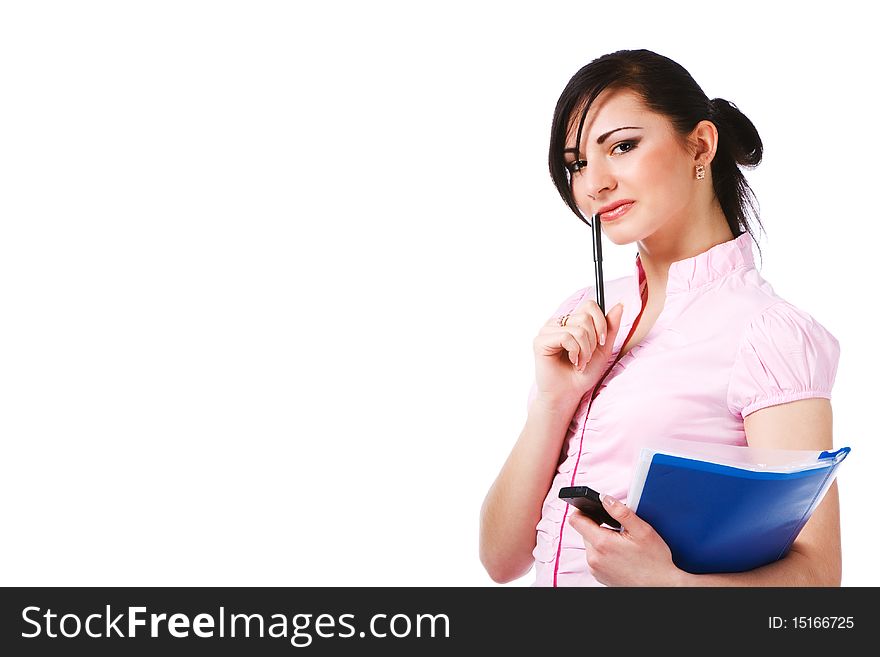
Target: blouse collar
{"type": "Point", "coordinates": [707, 266]}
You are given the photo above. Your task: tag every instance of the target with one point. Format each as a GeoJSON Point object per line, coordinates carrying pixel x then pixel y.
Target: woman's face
{"type": "Point", "coordinates": [644, 163]}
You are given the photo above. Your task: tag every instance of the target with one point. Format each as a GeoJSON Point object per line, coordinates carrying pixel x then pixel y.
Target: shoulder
{"type": "Point", "coordinates": [749, 302]}
{"type": "Point", "coordinates": [782, 320]}
{"type": "Point", "coordinates": [785, 354]}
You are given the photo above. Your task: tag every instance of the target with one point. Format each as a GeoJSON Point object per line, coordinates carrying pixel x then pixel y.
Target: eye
{"type": "Point", "coordinates": [575, 166]}
{"type": "Point", "coordinates": [632, 144]}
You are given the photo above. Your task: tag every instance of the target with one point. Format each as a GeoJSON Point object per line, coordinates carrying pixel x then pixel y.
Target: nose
{"type": "Point", "coordinates": [592, 183]}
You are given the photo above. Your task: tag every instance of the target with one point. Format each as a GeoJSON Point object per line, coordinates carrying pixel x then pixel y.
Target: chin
{"type": "Point", "coordinates": [619, 235]}
{"type": "Point", "coordinates": [629, 232]}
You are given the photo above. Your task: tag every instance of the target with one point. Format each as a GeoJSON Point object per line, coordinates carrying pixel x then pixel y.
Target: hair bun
{"type": "Point", "coordinates": [746, 144]}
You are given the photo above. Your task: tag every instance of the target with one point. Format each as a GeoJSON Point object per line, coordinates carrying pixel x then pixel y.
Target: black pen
{"type": "Point", "coordinates": [597, 261]}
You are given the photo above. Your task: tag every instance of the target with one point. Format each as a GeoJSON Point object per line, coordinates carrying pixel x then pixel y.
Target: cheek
{"type": "Point", "coordinates": [658, 168]}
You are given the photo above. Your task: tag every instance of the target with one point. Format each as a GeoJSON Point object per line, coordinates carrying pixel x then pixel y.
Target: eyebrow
{"type": "Point", "coordinates": [602, 138]}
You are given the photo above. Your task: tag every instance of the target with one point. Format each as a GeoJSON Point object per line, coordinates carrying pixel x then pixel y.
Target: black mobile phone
{"type": "Point", "coordinates": [587, 500]}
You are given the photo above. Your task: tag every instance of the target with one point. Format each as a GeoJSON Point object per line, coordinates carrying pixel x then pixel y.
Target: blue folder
{"type": "Point", "coordinates": [719, 518]}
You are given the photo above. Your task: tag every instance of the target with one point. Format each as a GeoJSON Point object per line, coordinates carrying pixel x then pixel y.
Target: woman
{"type": "Point", "coordinates": [696, 344]}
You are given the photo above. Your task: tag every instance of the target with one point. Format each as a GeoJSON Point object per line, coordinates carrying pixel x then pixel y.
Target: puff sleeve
{"type": "Point", "coordinates": [572, 302]}
{"type": "Point", "coordinates": [785, 355]}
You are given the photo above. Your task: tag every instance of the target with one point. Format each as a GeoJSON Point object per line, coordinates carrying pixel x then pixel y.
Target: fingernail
{"type": "Point", "coordinates": [602, 339]}
{"type": "Point", "coordinates": [607, 499]}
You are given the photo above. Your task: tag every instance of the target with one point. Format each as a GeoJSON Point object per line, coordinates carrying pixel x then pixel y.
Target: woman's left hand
{"type": "Point", "coordinates": [634, 556]}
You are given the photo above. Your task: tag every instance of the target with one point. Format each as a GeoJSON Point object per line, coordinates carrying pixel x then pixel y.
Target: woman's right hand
{"type": "Point", "coordinates": [559, 348]}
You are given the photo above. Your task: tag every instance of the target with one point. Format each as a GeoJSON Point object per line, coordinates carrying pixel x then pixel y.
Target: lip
{"type": "Point", "coordinates": [615, 210]}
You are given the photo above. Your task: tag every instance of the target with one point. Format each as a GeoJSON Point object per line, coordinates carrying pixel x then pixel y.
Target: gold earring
{"type": "Point", "coordinates": [701, 172]}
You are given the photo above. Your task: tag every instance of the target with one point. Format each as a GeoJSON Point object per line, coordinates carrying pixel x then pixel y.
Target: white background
{"type": "Point", "coordinates": [270, 272]}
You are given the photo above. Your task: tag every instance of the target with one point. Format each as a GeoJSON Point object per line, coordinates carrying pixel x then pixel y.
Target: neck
{"type": "Point", "coordinates": [670, 244]}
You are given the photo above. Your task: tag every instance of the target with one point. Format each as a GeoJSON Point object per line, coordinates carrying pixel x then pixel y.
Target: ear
{"type": "Point", "coordinates": [704, 142]}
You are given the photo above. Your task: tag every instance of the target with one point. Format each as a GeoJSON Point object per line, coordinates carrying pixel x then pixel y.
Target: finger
{"type": "Point", "coordinates": [592, 310]}
{"type": "Point", "coordinates": [586, 338]}
{"type": "Point", "coordinates": [585, 321]}
{"type": "Point", "coordinates": [585, 526]}
{"type": "Point", "coordinates": [573, 345]}
{"type": "Point", "coordinates": [561, 312]}
{"type": "Point", "coordinates": [553, 341]}
{"type": "Point", "coordinates": [629, 521]}
{"type": "Point", "coordinates": [613, 323]}
{"type": "Point", "coordinates": [571, 338]}
{"type": "Point", "coordinates": [581, 326]}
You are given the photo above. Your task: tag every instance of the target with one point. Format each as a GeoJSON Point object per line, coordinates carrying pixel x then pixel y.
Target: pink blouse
{"type": "Point", "coordinates": [724, 346]}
